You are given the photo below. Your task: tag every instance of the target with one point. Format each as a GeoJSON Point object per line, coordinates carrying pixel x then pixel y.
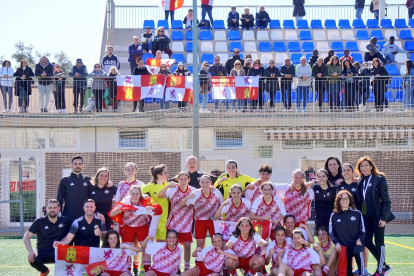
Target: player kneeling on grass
{"type": "Point", "coordinates": [244, 243]}
{"type": "Point", "coordinates": [212, 259]}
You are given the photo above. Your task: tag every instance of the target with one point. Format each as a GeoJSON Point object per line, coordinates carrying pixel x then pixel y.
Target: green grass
{"type": "Point", "coordinates": [13, 257]}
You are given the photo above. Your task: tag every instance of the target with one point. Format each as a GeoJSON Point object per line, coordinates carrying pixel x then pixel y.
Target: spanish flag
{"type": "Point", "coordinates": [170, 5]}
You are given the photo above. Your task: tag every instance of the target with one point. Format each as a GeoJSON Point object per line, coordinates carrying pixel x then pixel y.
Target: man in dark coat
{"type": "Point", "coordinates": [230, 62]}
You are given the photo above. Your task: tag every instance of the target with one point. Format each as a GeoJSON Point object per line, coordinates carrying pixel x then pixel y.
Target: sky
{"type": "Point", "coordinates": [76, 26]}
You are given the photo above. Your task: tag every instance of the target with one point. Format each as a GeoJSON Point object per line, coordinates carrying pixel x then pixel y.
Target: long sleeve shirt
{"type": "Point", "coordinates": [388, 47]}
{"type": "Point", "coordinates": [347, 227]}
{"type": "Point", "coordinates": [304, 70]}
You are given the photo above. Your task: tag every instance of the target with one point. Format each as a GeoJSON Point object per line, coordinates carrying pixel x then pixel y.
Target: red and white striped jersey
{"type": "Point", "coordinates": [164, 259]}
{"type": "Point", "coordinates": [134, 218]}
{"type": "Point", "coordinates": [298, 205]}
{"type": "Point", "coordinates": [233, 213]}
{"type": "Point", "coordinates": [205, 207]}
{"type": "Point", "coordinates": [300, 259]}
{"type": "Point", "coordinates": [245, 248]}
{"type": "Point", "coordinates": [212, 260]}
{"type": "Point", "coordinates": [275, 209]}
{"type": "Point", "coordinates": [123, 189]}
{"type": "Point", "coordinates": [180, 218]}
{"type": "Point", "coordinates": [286, 245]}
{"type": "Point", "coordinates": [122, 262]}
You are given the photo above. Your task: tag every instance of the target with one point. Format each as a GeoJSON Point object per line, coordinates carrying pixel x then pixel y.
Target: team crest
{"type": "Point", "coordinates": [60, 225]}
{"type": "Point", "coordinates": [85, 184]}
{"type": "Point", "coordinates": [273, 209]}
{"type": "Point", "coordinates": [106, 192]}
{"type": "Point", "coordinates": [353, 218]}
{"type": "Point", "coordinates": [221, 256]}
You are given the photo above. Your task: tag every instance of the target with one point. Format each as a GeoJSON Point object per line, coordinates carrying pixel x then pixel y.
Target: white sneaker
{"type": "Point", "coordinates": [5, 111]}
{"type": "Point", "coordinates": [374, 110]}
{"type": "Point", "coordinates": [63, 110]}
{"type": "Point", "coordinates": [11, 111]}
{"type": "Point", "coordinates": [59, 111]}
{"type": "Point", "coordinates": [150, 52]}
{"type": "Point", "coordinates": [207, 111]}
{"type": "Point", "coordinates": [201, 110]}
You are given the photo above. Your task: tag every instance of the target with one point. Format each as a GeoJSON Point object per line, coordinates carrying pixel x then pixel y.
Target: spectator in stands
{"type": "Point", "coordinates": [141, 69]}
{"type": "Point", "coordinates": [207, 9]}
{"type": "Point", "coordinates": [349, 71]}
{"type": "Point", "coordinates": [408, 85]}
{"type": "Point", "coordinates": [247, 65]}
{"type": "Point", "coordinates": [112, 87]}
{"type": "Point", "coordinates": [319, 72]}
{"type": "Point", "coordinates": [135, 51]}
{"type": "Point", "coordinates": [233, 19]}
{"type": "Point", "coordinates": [357, 99]}
{"type": "Point", "coordinates": [257, 70]}
{"type": "Point", "coordinates": [165, 72]}
{"type": "Point", "coordinates": [372, 51]}
{"type": "Point", "coordinates": [162, 42]}
{"type": "Point", "coordinates": [262, 18]}
{"type": "Point", "coordinates": [238, 71]}
{"type": "Point", "coordinates": [331, 53]}
{"type": "Point", "coordinates": [79, 73]}
{"type": "Point", "coordinates": [181, 71]}
{"type": "Point", "coordinates": [230, 62]}
{"type": "Point", "coordinates": [375, 8]}
{"type": "Point", "coordinates": [167, 11]}
{"type": "Point", "coordinates": [217, 69]}
{"type": "Point", "coordinates": [304, 73]}
{"type": "Point", "coordinates": [379, 84]}
{"type": "Point", "coordinates": [389, 50]}
{"type": "Point", "coordinates": [47, 229]}
{"type": "Point", "coordinates": [248, 56]}
{"type": "Point", "coordinates": [364, 74]}
{"type": "Point", "coordinates": [287, 71]}
{"type": "Point", "coordinates": [98, 85]}
{"type": "Point", "coordinates": [299, 9]}
{"type": "Point", "coordinates": [346, 56]}
{"type": "Point", "coordinates": [410, 6]}
{"type": "Point", "coordinates": [43, 70]}
{"type": "Point", "coordinates": [188, 19]}
{"type": "Point", "coordinates": [110, 60]}
{"type": "Point", "coordinates": [313, 58]}
{"type": "Point", "coordinates": [272, 82]}
{"type": "Point", "coordinates": [359, 8]}
{"type": "Point", "coordinates": [59, 84]}
{"type": "Point", "coordinates": [334, 71]}
{"type": "Point", "coordinates": [147, 40]}
{"type": "Point", "coordinates": [247, 19]}
{"type": "Point", "coordinates": [7, 86]}
{"type": "Point", "coordinates": [204, 86]}
{"type": "Point", "coordinates": [23, 86]}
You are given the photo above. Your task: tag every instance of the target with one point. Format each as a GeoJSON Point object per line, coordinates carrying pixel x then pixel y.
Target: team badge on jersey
{"type": "Point", "coordinates": [60, 225]}
{"type": "Point", "coordinates": [221, 256]}
{"type": "Point", "coordinates": [353, 218]}
{"type": "Point", "coordinates": [106, 192]}
{"type": "Point", "coordinates": [85, 184]}
{"type": "Point", "coordinates": [273, 209]}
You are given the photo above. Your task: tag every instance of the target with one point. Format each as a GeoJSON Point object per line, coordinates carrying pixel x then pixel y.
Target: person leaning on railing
{"type": "Point", "coordinates": [379, 84]}
{"type": "Point", "coordinates": [112, 86]}
{"type": "Point", "coordinates": [349, 71]}
{"type": "Point", "coordinates": [141, 69]}
{"type": "Point", "coordinates": [238, 71]}
{"type": "Point", "coordinates": [408, 84]}
{"type": "Point", "coordinates": [79, 73]}
{"type": "Point", "coordinates": [181, 71]}
{"type": "Point", "coordinates": [272, 82]}
{"type": "Point", "coordinates": [165, 72]}
{"type": "Point", "coordinates": [23, 86]}
{"type": "Point", "coordinates": [58, 89]}
{"type": "Point", "coordinates": [204, 86]}
{"type": "Point", "coordinates": [98, 85]}
{"type": "Point", "coordinates": [319, 72]}
{"type": "Point", "coordinates": [287, 71]}
{"type": "Point", "coordinates": [334, 71]}
{"type": "Point", "coordinates": [43, 70]}
{"type": "Point", "coordinates": [257, 70]}
{"type": "Point", "coordinates": [304, 73]}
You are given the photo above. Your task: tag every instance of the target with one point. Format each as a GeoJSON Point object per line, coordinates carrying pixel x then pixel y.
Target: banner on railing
{"type": "Point", "coordinates": [231, 88]}
{"type": "Point", "coordinates": [153, 64]}
{"type": "Point", "coordinates": [179, 88]}
{"type": "Point", "coordinates": [135, 88]}
{"type": "Point", "coordinates": [170, 5]}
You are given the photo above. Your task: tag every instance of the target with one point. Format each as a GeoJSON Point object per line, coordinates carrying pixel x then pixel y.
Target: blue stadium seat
{"type": "Point", "coordinates": [337, 46]}
{"type": "Point", "coordinates": [288, 24]}
{"type": "Point", "coordinates": [219, 25]}
{"type": "Point", "coordinates": [264, 46]}
{"type": "Point", "coordinates": [149, 23]}
{"type": "Point", "coordinates": [372, 23]}
{"type": "Point", "coordinates": [206, 35]}
{"type": "Point", "coordinates": [371, 98]}
{"type": "Point", "coordinates": [177, 24]}
{"type": "Point", "coordinates": [405, 34]}
{"type": "Point", "coordinates": [293, 46]}
{"type": "Point", "coordinates": [308, 56]}
{"type": "Point", "coordinates": [173, 68]}
{"type": "Point", "coordinates": [274, 24]}
{"type": "Point", "coordinates": [358, 24]}
{"type": "Point", "coordinates": [409, 46]}
{"type": "Point", "coordinates": [400, 23]}
{"type": "Point", "coordinates": [352, 46]}
{"type": "Point", "coordinates": [344, 24]}
{"type": "Point", "coordinates": [339, 55]}
{"type": "Point", "coordinates": [295, 58]}
{"type": "Point", "coordinates": [377, 34]}
{"type": "Point", "coordinates": [189, 47]}
{"type": "Point", "coordinates": [177, 35]}
{"type": "Point", "coordinates": [189, 35]}
{"type": "Point", "coordinates": [411, 23]}
{"type": "Point", "coordinates": [302, 24]}
{"type": "Point", "coordinates": [362, 35]}
{"type": "Point", "coordinates": [310, 97]}
{"type": "Point", "coordinates": [308, 46]}
{"type": "Point", "coordinates": [396, 83]}
{"type": "Point", "coordinates": [178, 57]}
{"type": "Point", "coordinates": [235, 44]}
{"type": "Point", "coordinates": [149, 100]}
{"type": "Point", "coordinates": [145, 56]}
{"type": "Point", "coordinates": [357, 57]}
{"type": "Point", "coordinates": [330, 24]}
{"type": "Point", "coordinates": [278, 97]}
{"type": "Point", "coordinates": [386, 23]}
{"type": "Point", "coordinates": [389, 97]}
{"type": "Point", "coordinates": [381, 44]}
{"type": "Point", "coordinates": [163, 23]}
{"type": "Point", "coordinates": [392, 70]}
{"type": "Point", "coordinates": [190, 68]}
{"type": "Point", "coordinates": [279, 46]}
{"type": "Point", "coordinates": [399, 95]}
{"type": "Point", "coordinates": [234, 35]}
{"type": "Point", "coordinates": [412, 56]}
{"type": "Point", "coordinates": [305, 35]}
{"type": "Point", "coordinates": [316, 24]}
{"type": "Point", "coordinates": [207, 57]}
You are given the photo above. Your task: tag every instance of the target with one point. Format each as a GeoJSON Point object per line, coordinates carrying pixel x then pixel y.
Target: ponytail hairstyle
{"type": "Point", "coordinates": [236, 186]}
{"type": "Point", "coordinates": [155, 171]}
{"type": "Point", "coordinates": [302, 185]}
{"type": "Point", "coordinates": [237, 231]}
{"type": "Point", "coordinates": [141, 197]}
{"type": "Point", "coordinates": [374, 170]}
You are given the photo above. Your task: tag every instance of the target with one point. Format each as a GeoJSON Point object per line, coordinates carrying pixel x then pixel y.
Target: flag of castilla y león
{"type": "Point", "coordinates": [231, 88]}
{"type": "Point", "coordinates": [135, 88]}
{"type": "Point", "coordinates": [179, 88]}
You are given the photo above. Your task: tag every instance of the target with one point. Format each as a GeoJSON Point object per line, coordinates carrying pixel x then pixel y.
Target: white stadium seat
{"type": "Point", "coordinates": [165, 56]}
{"type": "Point", "coordinates": [177, 47]}
{"type": "Point", "coordinates": [319, 35]}
{"type": "Point", "coordinates": [190, 58]}
{"type": "Point", "coordinates": [402, 69]}
{"type": "Point", "coordinates": [220, 35]}
{"type": "Point", "coordinates": [291, 35]}
{"type": "Point", "coordinates": [276, 35]}
{"type": "Point", "coordinates": [248, 35]}
{"type": "Point", "coordinates": [206, 47]}
{"type": "Point", "coordinates": [398, 43]}
{"type": "Point", "coordinates": [322, 46]}
{"type": "Point", "coordinates": [401, 58]}
{"type": "Point", "coordinates": [223, 57]}
{"type": "Point", "coordinates": [333, 35]}
{"type": "Point", "coordinates": [250, 46]}
{"type": "Point", "coordinates": [265, 57]}
{"type": "Point", "coordinates": [362, 45]}
{"type": "Point", "coordinates": [254, 56]}
{"type": "Point", "coordinates": [221, 47]}
{"type": "Point", "coordinates": [280, 58]}
{"type": "Point", "coordinates": [348, 35]}
{"type": "Point", "coordinates": [389, 33]}
{"type": "Point", "coordinates": [263, 35]}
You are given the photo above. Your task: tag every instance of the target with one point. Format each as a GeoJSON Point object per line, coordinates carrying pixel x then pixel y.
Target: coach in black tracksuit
{"type": "Point", "coordinates": [346, 228]}
{"type": "Point", "coordinates": [375, 205]}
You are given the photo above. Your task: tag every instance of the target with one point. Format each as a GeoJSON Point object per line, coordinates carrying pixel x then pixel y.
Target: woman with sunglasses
{"type": "Point", "coordinates": [334, 71]}
{"type": "Point", "coordinates": [258, 71]}
{"type": "Point", "coordinates": [204, 86]}
{"type": "Point", "coordinates": [272, 82]}
{"type": "Point", "coordinates": [162, 42]}
{"type": "Point", "coordinates": [237, 71]}
{"type": "Point", "coordinates": [182, 71]}
{"type": "Point", "coordinates": [165, 72]}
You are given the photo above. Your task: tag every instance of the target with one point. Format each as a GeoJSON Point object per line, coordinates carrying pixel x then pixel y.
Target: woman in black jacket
{"type": "Point", "coordinates": [23, 85]}
{"type": "Point", "coordinates": [247, 19]}
{"type": "Point", "coordinates": [349, 71]}
{"type": "Point", "coordinates": [375, 205]}
{"type": "Point", "coordinates": [272, 82]}
{"type": "Point", "coordinates": [299, 9]}
{"type": "Point", "coordinates": [140, 69]}
{"type": "Point", "coordinates": [257, 70]}
{"type": "Point", "coordinates": [379, 84]}
{"type": "Point", "coordinates": [181, 71]}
